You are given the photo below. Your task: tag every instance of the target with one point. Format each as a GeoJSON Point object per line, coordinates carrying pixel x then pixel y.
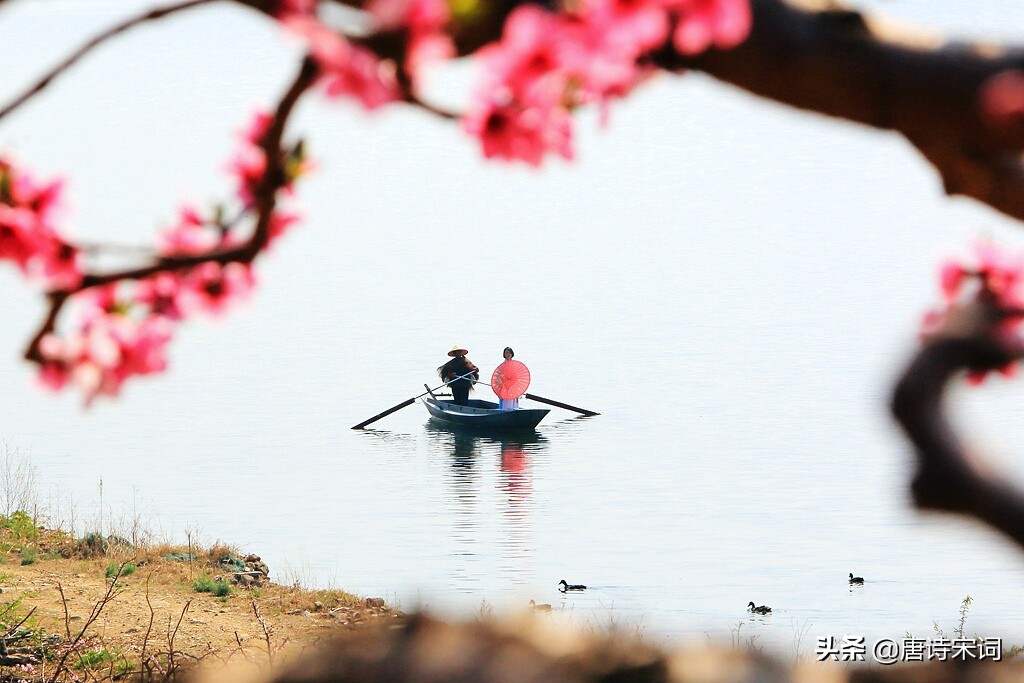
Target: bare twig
{"type": "Point", "coordinates": [13, 656]}
{"type": "Point", "coordinates": [149, 626]}
{"type": "Point", "coordinates": [154, 663]}
{"type": "Point", "coordinates": [11, 633]}
{"type": "Point", "coordinates": [188, 533]}
{"type": "Point", "coordinates": [171, 635]}
{"type": "Point", "coordinates": [240, 648]}
{"type": "Point", "coordinates": [112, 592]}
{"type": "Point", "coordinates": [70, 60]}
{"type": "Point", "coordinates": [67, 616]}
{"type": "Point", "coordinates": [267, 631]}
{"type": "Point", "coordinates": [210, 651]}
{"type": "Point", "coordinates": [110, 670]}
{"type": "Point", "coordinates": [416, 100]}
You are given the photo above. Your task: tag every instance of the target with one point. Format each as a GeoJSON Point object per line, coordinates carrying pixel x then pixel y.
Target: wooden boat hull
{"type": "Point", "coordinates": [483, 415]}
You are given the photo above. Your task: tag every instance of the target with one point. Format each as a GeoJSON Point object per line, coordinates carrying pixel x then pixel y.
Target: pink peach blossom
{"type": "Point", "coordinates": [424, 22]}
{"type": "Point", "coordinates": [190, 235]}
{"type": "Point", "coordinates": [634, 26]}
{"type": "Point", "coordinates": [999, 277]}
{"type": "Point", "coordinates": [258, 126]}
{"type": "Point", "coordinates": [143, 350]}
{"type": "Point", "coordinates": [288, 8]}
{"type": "Point", "coordinates": [28, 236]}
{"type": "Point", "coordinates": [528, 52]}
{"type": "Point", "coordinates": [98, 302]}
{"type": "Point", "coordinates": [19, 239]}
{"type": "Point", "coordinates": [951, 277]}
{"type": "Point", "coordinates": [210, 288]}
{"type": "Point", "coordinates": [419, 16]}
{"type": "Point", "coordinates": [1001, 99]}
{"type": "Point", "coordinates": [547, 63]}
{"type": "Point", "coordinates": [347, 69]}
{"type": "Point", "coordinates": [103, 353]}
{"type": "Point", "coordinates": [521, 132]}
{"type": "Point", "coordinates": [425, 49]}
{"type": "Point", "coordinates": [60, 265]}
{"type": "Point", "coordinates": [1002, 274]}
{"type": "Point", "coordinates": [20, 189]}
{"type": "Point", "coordinates": [248, 166]}
{"type": "Point", "coordinates": [280, 223]}
{"type": "Point", "coordinates": [159, 293]}
{"type": "Point", "coordinates": [703, 24]}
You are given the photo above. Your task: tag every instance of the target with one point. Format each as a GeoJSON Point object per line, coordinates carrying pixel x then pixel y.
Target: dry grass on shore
{"type": "Point", "coordinates": [98, 608]}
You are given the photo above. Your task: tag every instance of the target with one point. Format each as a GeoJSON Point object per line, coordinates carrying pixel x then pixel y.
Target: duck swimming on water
{"type": "Point", "coordinates": [563, 586]}
{"type": "Point", "coordinates": [539, 608]}
{"type": "Point", "coordinates": [856, 579]}
{"type": "Point", "coordinates": [760, 609]}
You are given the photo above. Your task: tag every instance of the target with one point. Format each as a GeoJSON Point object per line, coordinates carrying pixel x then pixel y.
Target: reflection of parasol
{"type": "Point", "coordinates": [510, 380]}
{"type": "Point", "coordinates": [513, 458]}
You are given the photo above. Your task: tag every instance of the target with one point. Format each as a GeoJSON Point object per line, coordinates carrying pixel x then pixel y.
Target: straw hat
{"type": "Point", "coordinates": [457, 351]}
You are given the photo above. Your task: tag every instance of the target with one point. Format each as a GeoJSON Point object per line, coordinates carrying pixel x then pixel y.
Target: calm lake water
{"type": "Point", "coordinates": [732, 285]}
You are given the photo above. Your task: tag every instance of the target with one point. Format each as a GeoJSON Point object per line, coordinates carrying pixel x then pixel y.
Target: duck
{"type": "Point", "coordinates": [564, 586]}
{"type": "Point", "coordinates": [539, 608]}
{"type": "Point", "coordinates": [856, 579]}
{"type": "Point", "coordinates": [760, 609]}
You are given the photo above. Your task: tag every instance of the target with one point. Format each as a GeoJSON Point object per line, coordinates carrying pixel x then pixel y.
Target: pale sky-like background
{"type": "Point", "coordinates": [732, 283]}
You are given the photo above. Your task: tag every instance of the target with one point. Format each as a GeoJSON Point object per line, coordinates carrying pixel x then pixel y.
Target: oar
{"type": "Point", "coordinates": [541, 399]}
{"type": "Point", "coordinates": [408, 402]}
{"type": "Point", "coordinates": [557, 404]}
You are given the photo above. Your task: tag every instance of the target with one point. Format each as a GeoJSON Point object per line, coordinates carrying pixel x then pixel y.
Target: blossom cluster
{"type": "Point", "coordinates": [545, 64]}
{"type": "Point", "coordinates": [28, 235]}
{"type": "Point", "coordinates": [993, 276]}
{"type": "Point", "coordinates": [122, 328]}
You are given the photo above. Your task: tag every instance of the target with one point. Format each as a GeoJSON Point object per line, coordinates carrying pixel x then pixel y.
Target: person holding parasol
{"type": "Point", "coordinates": [510, 381]}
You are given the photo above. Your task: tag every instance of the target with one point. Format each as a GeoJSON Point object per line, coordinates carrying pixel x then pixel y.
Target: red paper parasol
{"type": "Point", "coordinates": [510, 379]}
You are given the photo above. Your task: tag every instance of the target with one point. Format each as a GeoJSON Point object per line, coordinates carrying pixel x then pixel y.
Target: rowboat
{"type": "Point", "coordinates": [482, 415]}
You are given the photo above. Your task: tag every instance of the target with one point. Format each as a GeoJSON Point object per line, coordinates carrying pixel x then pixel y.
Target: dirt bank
{"type": "Point", "coordinates": [107, 609]}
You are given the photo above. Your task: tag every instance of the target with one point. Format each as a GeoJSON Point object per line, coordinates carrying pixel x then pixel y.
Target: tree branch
{"type": "Point", "coordinates": [947, 478]}
{"type": "Point", "coordinates": [265, 194]}
{"type": "Point", "coordinates": [819, 56]}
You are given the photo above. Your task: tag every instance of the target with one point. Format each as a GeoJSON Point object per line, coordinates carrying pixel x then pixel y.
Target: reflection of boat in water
{"type": "Point", "coordinates": [483, 416]}
{"type": "Point", "coordinates": [472, 443]}
{"type": "Point", "coordinates": [489, 493]}
{"type": "Point", "coordinates": [514, 451]}
{"type": "Point", "coordinates": [465, 446]}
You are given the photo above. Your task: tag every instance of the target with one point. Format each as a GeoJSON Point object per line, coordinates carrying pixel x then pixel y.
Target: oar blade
{"type": "Point", "coordinates": [387, 412]}
{"type": "Point", "coordinates": [559, 404]}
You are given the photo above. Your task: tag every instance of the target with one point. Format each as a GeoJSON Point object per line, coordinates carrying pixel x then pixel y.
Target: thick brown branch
{"type": "Point", "coordinates": [70, 60]}
{"type": "Point", "coordinates": [997, 179]}
{"type": "Point", "coordinates": [817, 56]}
{"type": "Point", "coordinates": [947, 478]}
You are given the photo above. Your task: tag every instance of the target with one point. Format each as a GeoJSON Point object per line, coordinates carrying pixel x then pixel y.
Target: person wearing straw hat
{"type": "Point", "coordinates": [458, 366]}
